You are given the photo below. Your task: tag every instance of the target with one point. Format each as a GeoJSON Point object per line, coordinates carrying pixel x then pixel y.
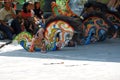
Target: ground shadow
{"type": "Point", "coordinates": [107, 51]}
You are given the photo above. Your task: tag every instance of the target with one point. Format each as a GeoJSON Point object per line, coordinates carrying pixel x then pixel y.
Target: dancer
{"type": "Point", "coordinates": [38, 40]}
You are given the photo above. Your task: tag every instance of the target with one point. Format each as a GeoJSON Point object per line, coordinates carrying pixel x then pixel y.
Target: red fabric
{"type": "Point", "coordinates": [26, 15]}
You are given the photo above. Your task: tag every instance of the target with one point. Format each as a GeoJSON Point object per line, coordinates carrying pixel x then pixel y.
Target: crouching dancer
{"type": "Point", "coordinates": [38, 41]}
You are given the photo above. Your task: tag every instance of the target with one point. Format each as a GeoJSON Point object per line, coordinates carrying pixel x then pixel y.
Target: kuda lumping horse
{"type": "Point", "coordinates": [59, 31]}
{"type": "Point", "coordinates": [113, 18]}
{"type": "Point", "coordinates": [95, 25]}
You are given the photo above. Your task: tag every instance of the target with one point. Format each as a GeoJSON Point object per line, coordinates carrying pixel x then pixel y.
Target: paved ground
{"type": "Point", "coordinates": [100, 61]}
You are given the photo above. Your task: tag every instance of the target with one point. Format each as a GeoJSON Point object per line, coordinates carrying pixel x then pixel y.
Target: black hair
{"type": "Point", "coordinates": [95, 4]}
{"type": "Point", "coordinates": [13, 5]}
{"type": "Point", "coordinates": [70, 20]}
{"type": "Point", "coordinates": [25, 7]}
{"type": "Point", "coordinates": [35, 5]}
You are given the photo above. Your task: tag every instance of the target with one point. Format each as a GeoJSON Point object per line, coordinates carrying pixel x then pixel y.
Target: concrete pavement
{"type": "Point", "coordinates": [100, 61]}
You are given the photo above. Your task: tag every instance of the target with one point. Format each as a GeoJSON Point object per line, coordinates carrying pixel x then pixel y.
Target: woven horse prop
{"type": "Point", "coordinates": [94, 25]}
{"type": "Point", "coordinates": [57, 35]}
{"type": "Point", "coordinates": [112, 18]}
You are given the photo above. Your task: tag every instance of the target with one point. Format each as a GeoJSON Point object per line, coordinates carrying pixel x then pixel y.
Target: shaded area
{"type": "Point", "coordinates": [107, 51]}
